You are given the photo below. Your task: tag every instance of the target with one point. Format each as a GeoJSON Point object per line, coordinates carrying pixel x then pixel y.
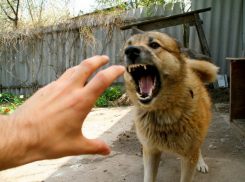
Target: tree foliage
{"type": "Point", "coordinates": [125, 5]}
{"type": "Point", "coordinates": [132, 3]}
{"type": "Point", "coordinates": [145, 3]}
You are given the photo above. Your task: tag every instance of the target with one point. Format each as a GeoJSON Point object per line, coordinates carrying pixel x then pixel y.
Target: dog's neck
{"type": "Point", "coordinates": [170, 113]}
{"type": "Point", "coordinates": [161, 117]}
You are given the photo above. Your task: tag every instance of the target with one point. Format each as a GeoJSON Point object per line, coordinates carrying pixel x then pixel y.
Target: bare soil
{"type": "Point", "coordinates": [221, 95]}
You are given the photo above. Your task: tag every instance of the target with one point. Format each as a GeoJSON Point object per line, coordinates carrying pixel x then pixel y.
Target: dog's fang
{"type": "Point", "coordinates": [150, 93]}
{"type": "Point", "coordinates": [138, 95]}
{"type": "Point", "coordinates": [146, 98]}
{"type": "Point", "coordinates": [129, 69]}
{"type": "Point", "coordinates": [140, 87]}
{"type": "Point", "coordinates": [144, 66]}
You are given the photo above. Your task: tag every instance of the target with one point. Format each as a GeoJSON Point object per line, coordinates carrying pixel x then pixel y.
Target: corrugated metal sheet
{"type": "Point", "coordinates": [42, 59]}
{"type": "Point", "coordinates": [160, 10]}
{"type": "Point", "coordinates": [224, 29]}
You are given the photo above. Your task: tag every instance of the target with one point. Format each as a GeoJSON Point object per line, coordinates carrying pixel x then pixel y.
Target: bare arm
{"type": "Point", "coordinates": [48, 125]}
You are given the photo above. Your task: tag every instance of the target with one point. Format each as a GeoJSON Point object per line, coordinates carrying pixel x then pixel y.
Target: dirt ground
{"type": "Point", "coordinates": [223, 151]}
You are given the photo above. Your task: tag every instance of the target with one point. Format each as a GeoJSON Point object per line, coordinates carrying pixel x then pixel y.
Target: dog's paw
{"type": "Point", "coordinates": [202, 167]}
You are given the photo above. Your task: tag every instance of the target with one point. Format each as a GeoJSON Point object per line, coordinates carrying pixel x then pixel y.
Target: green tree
{"type": "Point", "coordinates": [145, 3]}
{"type": "Point", "coordinates": [133, 3]}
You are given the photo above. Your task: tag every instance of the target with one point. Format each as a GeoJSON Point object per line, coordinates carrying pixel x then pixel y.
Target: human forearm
{"type": "Point", "coordinates": [15, 143]}
{"type": "Point", "coordinates": [48, 125]}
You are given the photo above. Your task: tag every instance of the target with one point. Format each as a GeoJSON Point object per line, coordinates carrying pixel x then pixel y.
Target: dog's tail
{"type": "Point", "coordinates": [206, 71]}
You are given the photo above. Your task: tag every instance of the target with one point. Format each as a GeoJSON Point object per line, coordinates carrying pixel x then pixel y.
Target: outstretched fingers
{"type": "Point", "coordinates": [102, 80]}
{"type": "Point", "coordinates": [87, 68]}
{"type": "Point", "coordinates": [68, 73]}
{"type": "Point", "coordinates": [95, 146]}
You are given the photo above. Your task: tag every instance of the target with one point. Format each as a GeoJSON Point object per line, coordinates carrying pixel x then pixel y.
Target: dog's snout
{"type": "Point", "coordinates": [132, 52]}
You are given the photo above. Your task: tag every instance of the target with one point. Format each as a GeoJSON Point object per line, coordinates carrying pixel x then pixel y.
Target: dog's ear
{"type": "Point", "coordinates": [135, 31]}
{"type": "Point", "coordinates": [205, 70]}
{"type": "Point", "coordinates": [180, 46]}
{"type": "Point", "coordinates": [188, 53]}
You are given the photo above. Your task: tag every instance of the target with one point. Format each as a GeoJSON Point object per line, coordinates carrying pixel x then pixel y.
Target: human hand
{"type": "Point", "coordinates": [50, 121]}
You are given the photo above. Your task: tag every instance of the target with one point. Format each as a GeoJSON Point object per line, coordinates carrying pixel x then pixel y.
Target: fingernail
{"type": "Point", "coordinates": [105, 56]}
{"type": "Point", "coordinates": [121, 67]}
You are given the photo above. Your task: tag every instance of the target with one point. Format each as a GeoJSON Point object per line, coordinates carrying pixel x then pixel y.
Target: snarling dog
{"type": "Point", "coordinates": [172, 106]}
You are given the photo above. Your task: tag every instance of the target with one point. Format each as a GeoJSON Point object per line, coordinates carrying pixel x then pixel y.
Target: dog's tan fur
{"type": "Point", "coordinates": [177, 119]}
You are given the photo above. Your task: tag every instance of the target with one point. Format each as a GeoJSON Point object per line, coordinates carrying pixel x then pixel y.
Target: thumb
{"type": "Point", "coordinates": [95, 146]}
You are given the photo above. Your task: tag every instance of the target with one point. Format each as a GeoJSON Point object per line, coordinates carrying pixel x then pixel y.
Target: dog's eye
{"type": "Point", "coordinates": [154, 45]}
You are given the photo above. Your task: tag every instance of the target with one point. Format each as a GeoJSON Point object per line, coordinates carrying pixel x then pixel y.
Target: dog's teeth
{"type": "Point", "coordinates": [148, 97]}
{"type": "Point", "coordinates": [140, 87]}
{"type": "Point", "coordinates": [137, 65]}
{"type": "Point", "coordinates": [138, 95]}
{"type": "Point", "coordinates": [134, 66]}
{"type": "Point", "coordinates": [150, 93]}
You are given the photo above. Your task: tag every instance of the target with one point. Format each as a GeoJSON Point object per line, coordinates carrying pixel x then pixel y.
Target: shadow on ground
{"type": "Point", "coordinates": [222, 151]}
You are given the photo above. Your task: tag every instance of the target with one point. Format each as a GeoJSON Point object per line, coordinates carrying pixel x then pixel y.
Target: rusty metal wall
{"type": "Point", "coordinates": [224, 28]}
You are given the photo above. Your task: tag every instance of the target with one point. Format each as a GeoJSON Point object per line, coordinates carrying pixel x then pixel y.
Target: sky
{"type": "Point", "coordinates": [84, 5]}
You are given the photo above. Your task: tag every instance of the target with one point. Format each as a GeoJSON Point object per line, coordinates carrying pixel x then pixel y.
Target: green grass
{"type": "Point", "coordinates": [10, 102]}
{"type": "Point", "coordinates": [111, 94]}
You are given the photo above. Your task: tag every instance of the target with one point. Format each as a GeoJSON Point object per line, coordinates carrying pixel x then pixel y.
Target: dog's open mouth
{"type": "Point", "coordinates": [147, 81]}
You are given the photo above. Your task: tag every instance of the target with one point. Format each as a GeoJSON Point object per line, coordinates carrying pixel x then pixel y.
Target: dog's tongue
{"type": "Point", "coordinates": [146, 83]}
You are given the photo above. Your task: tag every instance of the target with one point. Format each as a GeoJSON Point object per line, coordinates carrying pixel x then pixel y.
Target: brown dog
{"type": "Point", "coordinates": [172, 106]}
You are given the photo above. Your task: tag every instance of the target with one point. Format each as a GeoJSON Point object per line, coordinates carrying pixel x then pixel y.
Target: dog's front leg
{"type": "Point", "coordinates": [188, 166]}
{"type": "Point", "coordinates": [201, 165]}
{"type": "Point", "coordinates": [151, 162]}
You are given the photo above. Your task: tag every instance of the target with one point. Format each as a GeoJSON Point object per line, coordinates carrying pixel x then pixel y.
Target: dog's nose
{"type": "Point", "coordinates": [132, 52]}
